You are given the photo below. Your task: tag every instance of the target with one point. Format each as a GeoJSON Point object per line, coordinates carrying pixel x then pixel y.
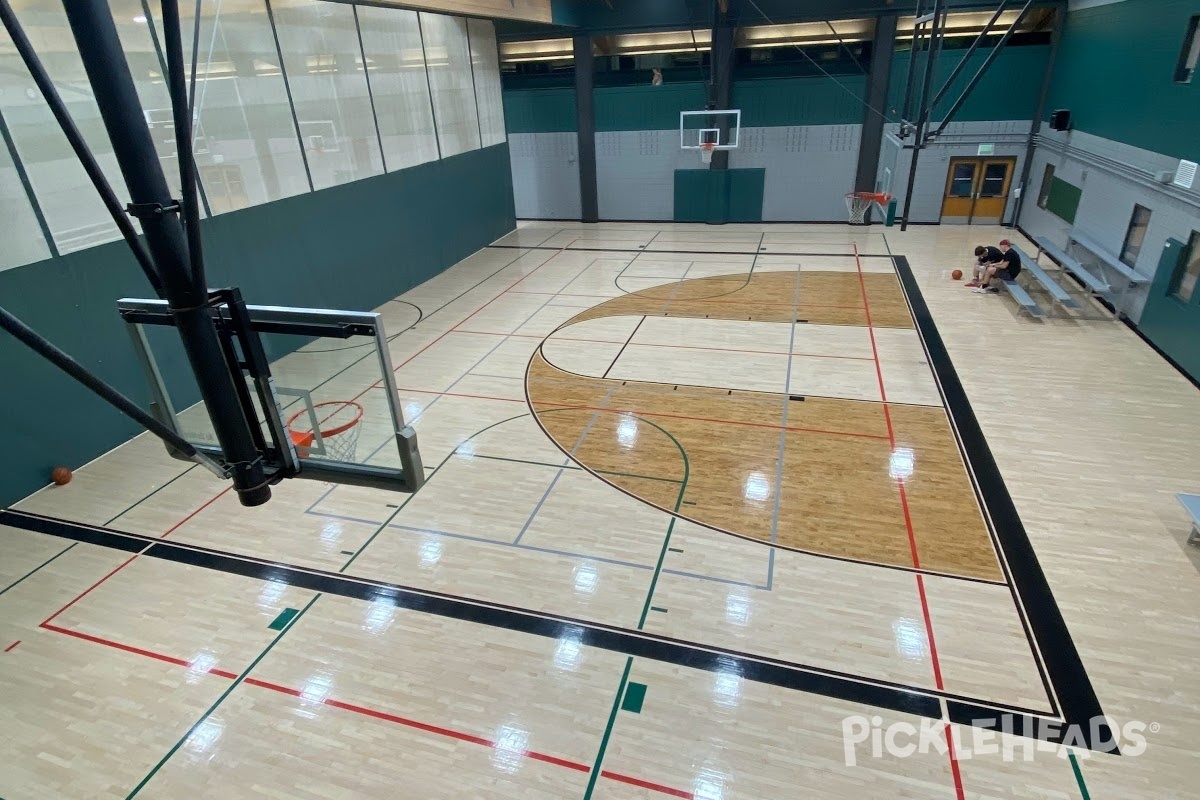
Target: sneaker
{"type": "Point", "coordinates": [972, 284]}
{"type": "Point", "coordinates": [993, 290]}
{"type": "Point", "coordinates": [981, 290]}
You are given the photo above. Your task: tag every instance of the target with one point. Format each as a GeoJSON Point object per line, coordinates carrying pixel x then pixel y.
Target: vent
{"type": "Point", "coordinates": [1186, 174]}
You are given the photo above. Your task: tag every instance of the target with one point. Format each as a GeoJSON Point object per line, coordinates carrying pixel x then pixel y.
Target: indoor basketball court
{"type": "Point", "coordinates": [637, 508]}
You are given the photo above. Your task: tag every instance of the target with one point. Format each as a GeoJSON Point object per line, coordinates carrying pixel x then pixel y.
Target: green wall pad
{"type": "Point", "coordinates": [1172, 324]}
{"type": "Point", "coordinates": [353, 246]}
{"type": "Point", "coordinates": [1063, 199]}
{"type": "Point", "coordinates": [719, 195]}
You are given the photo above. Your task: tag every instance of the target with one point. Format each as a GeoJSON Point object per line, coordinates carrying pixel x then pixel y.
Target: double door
{"type": "Point", "coordinates": [977, 190]}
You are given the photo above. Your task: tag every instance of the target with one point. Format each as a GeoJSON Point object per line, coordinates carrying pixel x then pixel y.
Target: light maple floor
{"type": "Point", "coordinates": [547, 377]}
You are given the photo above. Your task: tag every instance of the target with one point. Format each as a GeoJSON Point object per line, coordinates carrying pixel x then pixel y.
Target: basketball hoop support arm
{"type": "Point", "coordinates": [38, 344]}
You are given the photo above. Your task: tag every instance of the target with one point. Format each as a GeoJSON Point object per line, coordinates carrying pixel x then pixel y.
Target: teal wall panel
{"type": "Point", "coordinates": [646, 108]}
{"type": "Point", "coordinates": [1172, 324]}
{"type": "Point", "coordinates": [1008, 90]}
{"type": "Point", "coordinates": [719, 195]}
{"type": "Point", "coordinates": [799, 101]}
{"type": "Point", "coordinates": [1115, 73]}
{"type": "Point", "coordinates": [352, 246]}
{"type": "Point", "coordinates": [539, 110]}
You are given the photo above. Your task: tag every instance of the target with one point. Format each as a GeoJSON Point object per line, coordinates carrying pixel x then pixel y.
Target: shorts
{"type": "Point", "coordinates": [1007, 274]}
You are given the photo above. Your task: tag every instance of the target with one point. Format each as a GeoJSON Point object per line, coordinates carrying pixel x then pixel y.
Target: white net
{"type": "Point", "coordinates": [335, 434]}
{"type": "Point", "coordinates": [857, 204]}
{"type": "Point", "coordinates": [706, 153]}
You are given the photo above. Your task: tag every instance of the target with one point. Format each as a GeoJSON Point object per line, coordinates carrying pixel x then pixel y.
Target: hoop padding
{"type": "Point", "coordinates": [336, 436]}
{"type": "Point", "coordinates": [857, 204]}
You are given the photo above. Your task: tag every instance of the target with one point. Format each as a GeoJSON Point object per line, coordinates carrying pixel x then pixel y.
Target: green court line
{"type": "Point", "coordinates": [204, 717]}
{"type": "Point", "coordinates": [38, 567]}
{"type": "Point", "coordinates": [658, 608]}
{"type": "Point", "coordinates": [612, 720]}
{"type": "Point", "coordinates": [1078, 775]}
{"type": "Point", "coordinates": [635, 696]}
{"type": "Point", "coordinates": [662, 553]}
{"type": "Point", "coordinates": [283, 619]}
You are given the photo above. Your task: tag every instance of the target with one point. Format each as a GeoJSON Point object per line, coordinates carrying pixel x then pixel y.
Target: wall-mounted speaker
{"type": "Point", "coordinates": [1060, 120]}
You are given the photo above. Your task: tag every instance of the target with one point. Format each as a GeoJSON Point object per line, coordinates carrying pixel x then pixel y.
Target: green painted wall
{"type": "Point", "coordinates": [719, 195]}
{"type": "Point", "coordinates": [539, 110]}
{"type": "Point", "coordinates": [352, 246]}
{"type": "Point", "coordinates": [1008, 90]}
{"type": "Point", "coordinates": [1115, 73]}
{"type": "Point", "coordinates": [646, 108]}
{"type": "Point", "coordinates": [799, 101]}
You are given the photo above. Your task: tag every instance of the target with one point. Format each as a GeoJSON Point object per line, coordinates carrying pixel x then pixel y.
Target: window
{"type": "Point", "coordinates": [1183, 282]}
{"type": "Point", "coordinates": [1135, 235]}
{"type": "Point", "coordinates": [1189, 53]}
{"type": "Point", "coordinates": [1047, 182]}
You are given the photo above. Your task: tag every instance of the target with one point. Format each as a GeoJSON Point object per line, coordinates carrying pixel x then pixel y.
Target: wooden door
{"type": "Point", "coordinates": [977, 189]}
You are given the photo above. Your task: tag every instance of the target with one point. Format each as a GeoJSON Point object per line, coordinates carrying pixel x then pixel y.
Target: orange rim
{"type": "Point", "coordinates": [326, 433]}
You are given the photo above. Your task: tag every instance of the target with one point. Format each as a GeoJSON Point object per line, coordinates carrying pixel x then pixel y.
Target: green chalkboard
{"type": "Point", "coordinates": [1063, 200]}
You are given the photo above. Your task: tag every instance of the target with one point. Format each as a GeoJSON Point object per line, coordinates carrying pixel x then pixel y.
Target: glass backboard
{"type": "Point", "coordinates": [330, 397]}
{"type": "Point", "coordinates": [718, 129]}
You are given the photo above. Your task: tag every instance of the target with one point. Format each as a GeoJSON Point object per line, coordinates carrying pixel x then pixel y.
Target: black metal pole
{"type": "Point", "coordinates": [112, 85]}
{"type": "Point", "coordinates": [38, 344]}
{"type": "Point", "coordinates": [75, 139]}
{"type": "Point", "coordinates": [913, 48]}
{"type": "Point", "coordinates": [962, 63]}
{"type": "Point", "coordinates": [181, 112]}
{"type": "Point", "coordinates": [983, 68]}
{"type": "Point", "coordinates": [585, 119]}
{"type": "Point", "coordinates": [1060, 18]}
{"type": "Point", "coordinates": [883, 47]}
{"type": "Point", "coordinates": [721, 58]}
{"type": "Point", "coordinates": [922, 117]}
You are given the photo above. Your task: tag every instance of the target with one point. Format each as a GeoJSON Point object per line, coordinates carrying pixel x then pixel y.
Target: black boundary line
{"type": "Point", "coordinates": [569, 249]}
{"type": "Point", "coordinates": [1078, 701]}
{"type": "Point", "coordinates": [761, 669]}
{"type": "Point", "coordinates": [622, 350]}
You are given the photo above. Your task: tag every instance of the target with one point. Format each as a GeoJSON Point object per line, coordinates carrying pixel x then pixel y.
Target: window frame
{"type": "Point", "coordinates": [1189, 52]}
{"type": "Point", "coordinates": [1191, 256]}
{"type": "Point", "coordinates": [1133, 227]}
{"type": "Point", "coordinates": [1044, 190]}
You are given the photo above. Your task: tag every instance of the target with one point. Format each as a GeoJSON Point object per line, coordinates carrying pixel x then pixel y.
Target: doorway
{"type": "Point", "coordinates": [977, 190]}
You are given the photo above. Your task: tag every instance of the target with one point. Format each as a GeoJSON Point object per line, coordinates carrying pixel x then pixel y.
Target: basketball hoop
{"type": "Point", "coordinates": [336, 436]}
{"type": "Point", "coordinates": [706, 151]}
{"type": "Point", "coordinates": [857, 204]}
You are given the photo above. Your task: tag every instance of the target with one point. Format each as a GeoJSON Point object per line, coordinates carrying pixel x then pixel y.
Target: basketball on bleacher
{"type": "Point", "coordinates": [61, 476]}
{"type": "Point", "coordinates": [957, 274]}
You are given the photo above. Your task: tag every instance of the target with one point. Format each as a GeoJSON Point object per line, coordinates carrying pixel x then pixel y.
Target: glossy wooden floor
{"type": "Point", "coordinates": [608, 419]}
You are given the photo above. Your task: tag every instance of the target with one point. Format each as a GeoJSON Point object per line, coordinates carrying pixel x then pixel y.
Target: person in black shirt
{"type": "Point", "coordinates": [1006, 269]}
{"type": "Point", "coordinates": [984, 254]}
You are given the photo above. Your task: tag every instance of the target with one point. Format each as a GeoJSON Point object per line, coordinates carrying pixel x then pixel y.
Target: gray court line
{"type": "Point", "coordinates": [582, 437]}
{"type": "Point", "coordinates": [787, 390]}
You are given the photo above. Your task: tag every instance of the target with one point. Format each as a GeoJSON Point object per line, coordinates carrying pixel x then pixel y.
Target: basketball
{"type": "Point", "coordinates": [957, 274]}
{"type": "Point", "coordinates": [61, 476]}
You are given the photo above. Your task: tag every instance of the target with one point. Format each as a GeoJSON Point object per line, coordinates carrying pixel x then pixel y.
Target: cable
{"type": "Point", "coordinates": [824, 72]}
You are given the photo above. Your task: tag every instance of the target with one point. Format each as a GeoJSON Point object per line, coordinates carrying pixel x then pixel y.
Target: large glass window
{"type": "Point", "coordinates": [485, 63]}
{"type": "Point", "coordinates": [392, 41]}
{"type": "Point", "coordinates": [448, 59]}
{"type": "Point", "coordinates": [329, 88]}
{"type": "Point", "coordinates": [1135, 235]}
{"type": "Point", "coordinates": [244, 138]}
{"type": "Point", "coordinates": [1183, 282]}
{"type": "Point", "coordinates": [21, 239]}
{"type": "Point", "coordinates": [1189, 54]}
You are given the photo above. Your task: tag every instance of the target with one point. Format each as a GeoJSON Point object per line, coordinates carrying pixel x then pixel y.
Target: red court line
{"type": "Point", "coordinates": [179, 662]}
{"type": "Point", "coordinates": [11, 646]}
{"type": "Point", "coordinates": [954, 770]}
{"type": "Point", "coordinates": [371, 712]}
{"type": "Point", "coordinates": [616, 776]}
{"type": "Point", "coordinates": [912, 539]}
{"type": "Point", "coordinates": [671, 346]}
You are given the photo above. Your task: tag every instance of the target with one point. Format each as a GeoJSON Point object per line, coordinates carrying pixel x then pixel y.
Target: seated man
{"type": "Point", "coordinates": [1007, 269]}
{"type": "Point", "coordinates": [984, 255]}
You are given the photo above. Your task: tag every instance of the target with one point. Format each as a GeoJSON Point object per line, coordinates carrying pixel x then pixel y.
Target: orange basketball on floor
{"type": "Point", "coordinates": [957, 274]}
{"type": "Point", "coordinates": [61, 476]}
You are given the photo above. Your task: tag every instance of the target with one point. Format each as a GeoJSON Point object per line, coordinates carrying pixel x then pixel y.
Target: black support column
{"type": "Point", "coordinates": [722, 54]}
{"type": "Point", "coordinates": [879, 74]}
{"type": "Point", "coordinates": [585, 125]}
{"type": "Point", "coordinates": [1060, 19]}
